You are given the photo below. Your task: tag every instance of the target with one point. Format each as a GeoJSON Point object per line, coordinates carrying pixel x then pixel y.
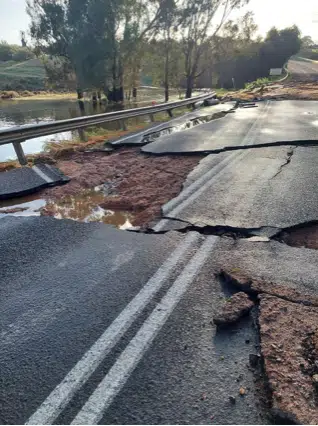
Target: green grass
{"type": "Point", "coordinates": [27, 75]}
{"type": "Point", "coordinates": [222, 92]}
{"type": "Point", "coordinates": [262, 82]}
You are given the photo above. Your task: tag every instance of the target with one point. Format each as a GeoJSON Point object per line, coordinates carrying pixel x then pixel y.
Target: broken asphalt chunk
{"type": "Point", "coordinates": [233, 309]}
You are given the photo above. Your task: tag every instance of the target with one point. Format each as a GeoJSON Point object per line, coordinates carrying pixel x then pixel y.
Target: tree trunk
{"type": "Point", "coordinates": [189, 87]}
{"type": "Point", "coordinates": [166, 91]}
{"type": "Point", "coordinates": [79, 94]}
{"type": "Point", "coordinates": [166, 79]}
{"type": "Point", "coordinates": [80, 101]}
{"type": "Point", "coordinates": [121, 93]}
{"type": "Point", "coordinates": [94, 99]}
{"type": "Point", "coordinates": [121, 96]}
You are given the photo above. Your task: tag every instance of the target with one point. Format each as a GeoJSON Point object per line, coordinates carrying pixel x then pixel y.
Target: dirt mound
{"type": "Point", "coordinates": [289, 90]}
{"type": "Point", "coordinates": [142, 184]}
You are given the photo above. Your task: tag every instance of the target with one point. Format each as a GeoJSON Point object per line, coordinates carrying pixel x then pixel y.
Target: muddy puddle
{"type": "Point", "coordinates": [24, 206]}
{"type": "Point", "coordinates": [83, 208]}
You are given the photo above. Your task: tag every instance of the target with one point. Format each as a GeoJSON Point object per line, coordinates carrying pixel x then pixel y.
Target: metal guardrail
{"type": "Point", "coordinates": [19, 134]}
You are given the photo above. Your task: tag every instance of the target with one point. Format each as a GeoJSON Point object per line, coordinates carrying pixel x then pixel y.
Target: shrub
{"type": "Point", "coordinates": [9, 94]}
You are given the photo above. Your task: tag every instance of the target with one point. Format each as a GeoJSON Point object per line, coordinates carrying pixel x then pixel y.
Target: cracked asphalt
{"type": "Point", "coordinates": [263, 190]}
{"type": "Point", "coordinates": [101, 326]}
{"type": "Point", "coordinates": [268, 122]}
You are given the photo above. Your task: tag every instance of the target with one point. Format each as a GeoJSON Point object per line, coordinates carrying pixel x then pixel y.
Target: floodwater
{"type": "Point", "coordinates": [20, 112]}
{"type": "Point", "coordinates": [82, 208]}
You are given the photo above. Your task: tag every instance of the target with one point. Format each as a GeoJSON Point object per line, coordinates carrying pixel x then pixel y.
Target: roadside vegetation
{"type": "Point", "coordinates": [308, 49]}
{"type": "Point", "coordinates": [20, 70]}
{"type": "Point", "coordinates": [260, 82]}
{"type": "Point", "coordinates": [109, 48]}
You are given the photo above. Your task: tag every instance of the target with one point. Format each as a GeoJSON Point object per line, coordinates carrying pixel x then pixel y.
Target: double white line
{"type": "Point", "coordinates": [93, 410]}
{"type": "Point", "coordinates": [108, 388]}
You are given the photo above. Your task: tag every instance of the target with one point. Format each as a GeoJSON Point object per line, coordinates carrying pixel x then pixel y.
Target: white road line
{"type": "Point", "coordinates": [93, 410]}
{"type": "Point", "coordinates": [74, 380]}
{"type": "Point", "coordinates": [42, 174]}
{"type": "Point", "coordinates": [197, 188]}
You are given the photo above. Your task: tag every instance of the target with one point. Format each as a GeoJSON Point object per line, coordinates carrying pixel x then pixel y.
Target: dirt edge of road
{"type": "Point", "coordinates": [132, 182]}
{"type": "Point", "coordinates": [288, 331]}
{"type": "Point", "coordinates": [291, 89]}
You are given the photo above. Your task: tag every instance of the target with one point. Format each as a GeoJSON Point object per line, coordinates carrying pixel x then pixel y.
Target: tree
{"type": "Point", "coordinates": [13, 52]}
{"type": "Point", "coordinates": [247, 27]}
{"type": "Point", "coordinates": [241, 55]}
{"type": "Point", "coordinates": [307, 42]}
{"type": "Point", "coordinates": [197, 24]}
{"type": "Point", "coordinates": [279, 46]}
{"type": "Point", "coordinates": [6, 51]}
{"type": "Point", "coordinates": [97, 37]}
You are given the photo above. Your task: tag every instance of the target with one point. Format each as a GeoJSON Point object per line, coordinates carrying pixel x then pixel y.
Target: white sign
{"type": "Point", "coordinates": [276, 71]}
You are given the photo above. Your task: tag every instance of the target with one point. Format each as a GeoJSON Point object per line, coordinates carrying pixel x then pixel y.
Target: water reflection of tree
{"type": "Point", "coordinates": [35, 111]}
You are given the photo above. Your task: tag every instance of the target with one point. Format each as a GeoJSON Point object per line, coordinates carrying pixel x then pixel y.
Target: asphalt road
{"type": "Point", "coordinates": [114, 327]}
{"type": "Point", "coordinates": [25, 180]}
{"type": "Point", "coordinates": [174, 125]}
{"type": "Point", "coordinates": [268, 122]}
{"type": "Point", "coordinates": [265, 189]}
{"type": "Point", "coordinates": [63, 284]}
{"type": "Point", "coordinates": [303, 67]}
{"type": "Point", "coordinates": [82, 303]}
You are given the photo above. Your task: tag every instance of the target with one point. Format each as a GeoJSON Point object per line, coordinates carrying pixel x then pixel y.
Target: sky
{"type": "Point", "coordinates": [268, 13]}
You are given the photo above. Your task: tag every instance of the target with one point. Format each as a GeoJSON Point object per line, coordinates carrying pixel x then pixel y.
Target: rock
{"type": "Point", "coordinates": [233, 309]}
{"type": "Point", "coordinates": [213, 101]}
{"type": "Point", "coordinates": [315, 379]}
{"type": "Point", "coordinates": [242, 391]}
{"type": "Point", "coordinates": [251, 285]}
{"type": "Point", "coordinates": [232, 400]}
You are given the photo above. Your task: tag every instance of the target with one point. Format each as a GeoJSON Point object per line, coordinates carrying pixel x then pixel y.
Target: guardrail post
{"type": "Point", "coordinates": [170, 113]}
{"type": "Point", "coordinates": [123, 125]}
{"type": "Point", "coordinates": [20, 153]}
{"type": "Point", "coordinates": [152, 118]}
{"type": "Point", "coordinates": [82, 135]}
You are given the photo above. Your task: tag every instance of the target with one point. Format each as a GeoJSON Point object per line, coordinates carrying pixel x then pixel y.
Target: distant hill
{"type": "Point", "coordinates": [26, 75]}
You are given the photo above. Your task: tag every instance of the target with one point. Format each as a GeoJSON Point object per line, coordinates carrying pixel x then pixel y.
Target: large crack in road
{"type": "Point", "coordinates": [287, 322]}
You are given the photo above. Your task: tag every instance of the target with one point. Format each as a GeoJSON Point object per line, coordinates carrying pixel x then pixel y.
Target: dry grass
{"type": "Point", "coordinates": [48, 96]}
{"type": "Point", "coordinates": [58, 149]}
{"type": "Point", "coordinates": [9, 165]}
